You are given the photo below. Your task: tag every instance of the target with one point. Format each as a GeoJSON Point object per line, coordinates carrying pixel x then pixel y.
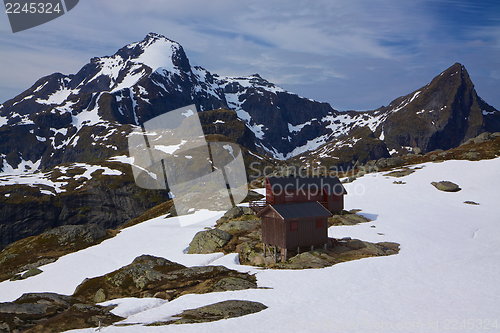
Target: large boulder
{"type": "Point", "coordinates": [446, 186]}
{"type": "Point", "coordinates": [209, 241]}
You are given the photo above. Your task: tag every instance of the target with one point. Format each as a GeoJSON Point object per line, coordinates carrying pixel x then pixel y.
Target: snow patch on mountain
{"type": "Point", "coordinates": [88, 117]}
{"type": "Point", "coordinates": [133, 76]}
{"type": "Point", "coordinates": [298, 128]}
{"type": "Point", "coordinates": [485, 113]}
{"type": "Point", "coordinates": [3, 121]}
{"type": "Point", "coordinates": [57, 97]}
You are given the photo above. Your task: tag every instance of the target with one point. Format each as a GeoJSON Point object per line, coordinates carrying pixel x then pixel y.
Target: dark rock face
{"type": "Point", "coordinates": [107, 201]}
{"type": "Point", "coordinates": [443, 114]}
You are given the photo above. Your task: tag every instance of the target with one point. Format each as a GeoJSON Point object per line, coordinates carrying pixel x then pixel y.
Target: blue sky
{"type": "Point", "coordinates": [356, 54]}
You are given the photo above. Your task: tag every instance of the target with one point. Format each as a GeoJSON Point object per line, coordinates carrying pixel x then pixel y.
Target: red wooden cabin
{"type": "Point", "coordinates": [294, 225]}
{"type": "Point", "coordinates": [328, 191]}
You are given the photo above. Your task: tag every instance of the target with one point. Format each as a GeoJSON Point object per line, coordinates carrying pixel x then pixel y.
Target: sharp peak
{"type": "Point", "coordinates": [455, 67]}
{"type": "Point", "coordinates": [153, 38]}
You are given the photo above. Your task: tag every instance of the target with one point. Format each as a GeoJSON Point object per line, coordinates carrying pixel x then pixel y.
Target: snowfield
{"type": "Point", "coordinates": [446, 276]}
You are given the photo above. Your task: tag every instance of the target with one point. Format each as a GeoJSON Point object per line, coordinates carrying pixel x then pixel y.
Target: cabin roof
{"type": "Point", "coordinates": [331, 185]}
{"type": "Point", "coordinates": [298, 210]}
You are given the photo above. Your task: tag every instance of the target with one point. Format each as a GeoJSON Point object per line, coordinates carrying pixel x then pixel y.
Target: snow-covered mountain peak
{"type": "Point", "coordinates": [155, 51]}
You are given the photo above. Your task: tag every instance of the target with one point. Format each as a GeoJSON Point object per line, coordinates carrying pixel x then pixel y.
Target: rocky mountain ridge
{"type": "Point", "coordinates": [72, 164]}
{"type": "Point", "coordinates": [86, 116]}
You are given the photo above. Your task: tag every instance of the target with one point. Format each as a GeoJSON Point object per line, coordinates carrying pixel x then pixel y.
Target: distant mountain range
{"type": "Point", "coordinates": [110, 95]}
{"type": "Point", "coordinates": [85, 118]}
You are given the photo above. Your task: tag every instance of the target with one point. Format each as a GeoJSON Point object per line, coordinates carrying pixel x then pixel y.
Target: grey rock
{"type": "Point", "coordinates": [100, 296]}
{"type": "Point", "coordinates": [214, 312]}
{"type": "Point", "coordinates": [141, 271]}
{"type": "Point", "coordinates": [53, 298]}
{"type": "Point", "coordinates": [68, 234]}
{"type": "Point", "coordinates": [350, 219]}
{"type": "Point", "coordinates": [232, 283]}
{"type": "Point", "coordinates": [4, 328]}
{"type": "Point", "coordinates": [234, 213]}
{"type": "Point", "coordinates": [467, 142]}
{"type": "Point", "coordinates": [228, 309]}
{"type": "Point", "coordinates": [209, 241]}
{"type": "Point", "coordinates": [400, 173]}
{"type": "Point", "coordinates": [240, 225]}
{"type": "Point", "coordinates": [86, 307]}
{"type": "Point", "coordinates": [495, 135]}
{"type": "Point", "coordinates": [23, 309]}
{"type": "Point", "coordinates": [355, 244]}
{"type": "Point", "coordinates": [483, 137]}
{"type": "Point", "coordinates": [471, 203]}
{"type": "Point", "coordinates": [381, 163]}
{"type": "Point", "coordinates": [141, 275]}
{"type": "Point", "coordinates": [41, 262]}
{"type": "Point", "coordinates": [417, 151]}
{"type": "Point", "coordinates": [190, 272]}
{"type": "Point", "coordinates": [308, 260]}
{"type": "Point", "coordinates": [31, 272]}
{"type": "Point", "coordinates": [394, 161]}
{"type": "Point", "coordinates": [471, 155]}
{"type": "Point", "coordinates": [446, 186]}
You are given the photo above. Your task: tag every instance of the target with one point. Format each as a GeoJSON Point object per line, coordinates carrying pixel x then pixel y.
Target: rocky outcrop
{"type": "Point", "coordinates": [32, 252]}
{"type": "Point", "coordinates": [214, 312]}
{"type": "Point", "coordinates": [149, 276]}
{"type": "Point", "coordinates": [246, 240]}
{"type": "Point", "coordinates": [234, 213]}
{"type": "Point", "coordinates": [49, 312]}
{"type": "Point", "coordinates": [341, 251]}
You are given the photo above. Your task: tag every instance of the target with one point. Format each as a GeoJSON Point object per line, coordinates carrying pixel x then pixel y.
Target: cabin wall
{"type": "Point", "coordinates": [273, 229]}
{"type": "Point", "coordinates": [307, 233]}
{"type": "Point", "coordinates": [335, 203]}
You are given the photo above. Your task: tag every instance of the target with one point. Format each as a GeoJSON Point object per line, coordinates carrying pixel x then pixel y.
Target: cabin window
{"type": "Point", "coordinates": [319, 223]}
{"type": "Point", "coordinates": [294, 225]}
